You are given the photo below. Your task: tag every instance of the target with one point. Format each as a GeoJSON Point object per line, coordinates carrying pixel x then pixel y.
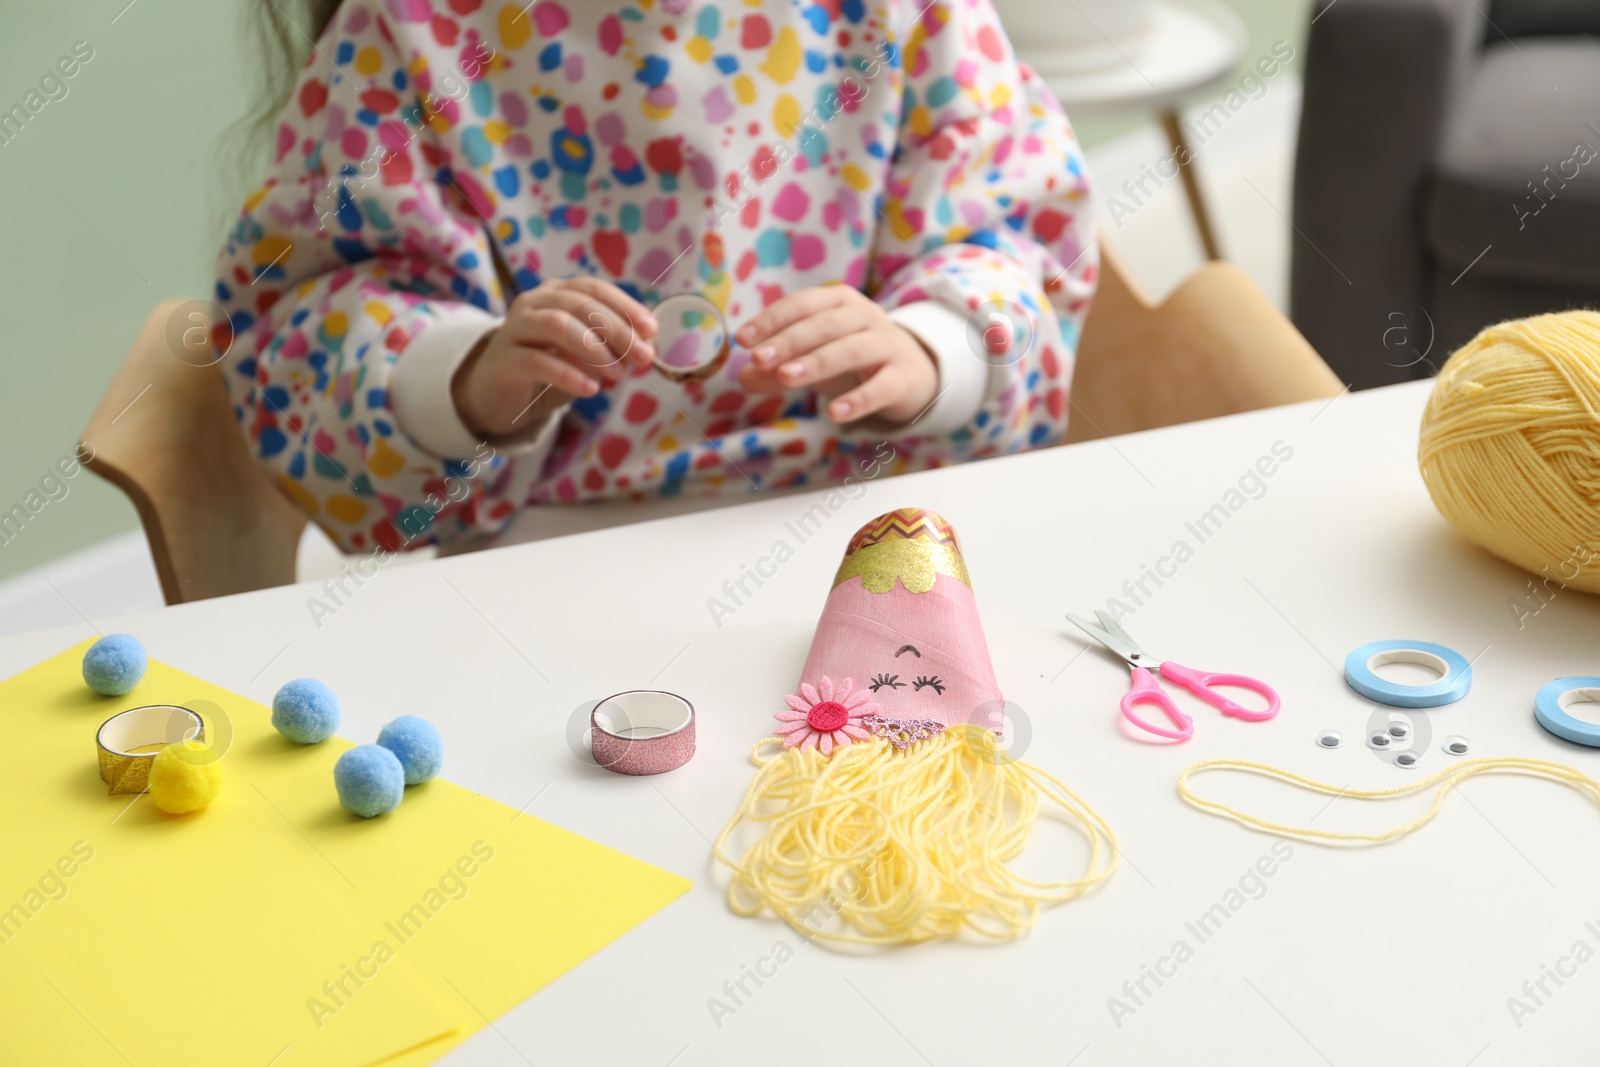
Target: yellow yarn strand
{"type": "Point", "coordinates": [902, 846]}
{"type": "Point", "coordinates": [1510, 444]}
{"type": "Point", "coordinates": [1446, 780]}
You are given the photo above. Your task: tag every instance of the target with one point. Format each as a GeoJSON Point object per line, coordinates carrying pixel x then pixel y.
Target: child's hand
{"type": "Point", "coordinates": [838, 341]}
{"type": "Point", "coordinates": [559, 341]}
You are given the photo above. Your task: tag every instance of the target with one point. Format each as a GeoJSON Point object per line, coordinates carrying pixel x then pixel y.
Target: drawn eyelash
{"type": "Point", "coordinates": [929, 680]}
{"type": "Point", "coordinates": [891, 680]}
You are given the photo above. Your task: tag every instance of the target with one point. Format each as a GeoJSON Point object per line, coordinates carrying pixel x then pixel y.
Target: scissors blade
{"type": "Point", "coordinates": [1111, 635]}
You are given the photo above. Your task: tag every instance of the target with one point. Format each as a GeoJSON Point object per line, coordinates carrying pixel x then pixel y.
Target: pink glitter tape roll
{"type": "Point", "coordinates": [642, 731]}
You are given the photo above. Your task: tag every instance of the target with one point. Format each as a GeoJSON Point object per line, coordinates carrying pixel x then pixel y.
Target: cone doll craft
{"type": "Point", "coordinates": [887, 805]}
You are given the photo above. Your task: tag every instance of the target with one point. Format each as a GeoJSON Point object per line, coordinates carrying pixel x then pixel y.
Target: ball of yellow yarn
{"type": "Point", "coordinates": [1510, 447]}
{"type": "Point", "coordinates": [184, 777]}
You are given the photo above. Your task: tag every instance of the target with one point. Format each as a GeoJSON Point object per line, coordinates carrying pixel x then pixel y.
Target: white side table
{"type": "Point", "coordinates": [1118, 55]}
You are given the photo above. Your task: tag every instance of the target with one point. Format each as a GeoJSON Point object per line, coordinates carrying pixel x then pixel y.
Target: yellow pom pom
{"type": "Point", "coordinates": [184, 777]}
{"type": "Point", "coordinates": [1510, 445]}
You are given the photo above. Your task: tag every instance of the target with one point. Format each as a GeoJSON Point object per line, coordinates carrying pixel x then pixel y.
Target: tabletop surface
{"type": "Point", "coordinates": [1404, 953]}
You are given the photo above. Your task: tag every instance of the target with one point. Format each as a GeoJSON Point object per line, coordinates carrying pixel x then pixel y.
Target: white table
{"type": "Point", "coordinates": [1114, 56]}
{"type": "Point", "coordinates": [1400, 954]}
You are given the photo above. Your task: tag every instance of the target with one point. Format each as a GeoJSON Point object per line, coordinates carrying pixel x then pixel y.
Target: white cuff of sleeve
{"type": "Point", "coordinates": [419, 388]}
{"type": "Point", "coordinates": [964, 379]}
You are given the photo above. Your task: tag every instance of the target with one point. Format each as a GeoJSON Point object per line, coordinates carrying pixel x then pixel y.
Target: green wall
{"type": "Point", "coordinates": [113, 200]}
{"type": "Point", "coordinates": [115, 195]}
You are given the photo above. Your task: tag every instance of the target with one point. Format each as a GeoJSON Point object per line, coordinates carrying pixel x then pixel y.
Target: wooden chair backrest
{"type": "Point", "coordinates": [165, 434]}
{"type": "Point", "coordinates": [1215, 346]}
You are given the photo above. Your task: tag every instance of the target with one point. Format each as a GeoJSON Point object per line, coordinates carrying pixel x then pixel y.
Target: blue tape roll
{"type": "Point", "coordinates": [1553, 717]}
{"type": "Point", "coordinates": [1448, 689]}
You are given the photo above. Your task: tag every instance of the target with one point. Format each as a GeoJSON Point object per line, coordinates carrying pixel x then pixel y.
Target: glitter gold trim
{"type": "Point", "coordinates": [916, 563]}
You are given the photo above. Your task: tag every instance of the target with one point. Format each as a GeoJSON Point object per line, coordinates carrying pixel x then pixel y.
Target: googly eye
{"type": "Point", "coordinates": [1399, 730]}
{"type": "Point", "coordinates": [1406, 759]}
{"type": "Point", "coordinates": [1378, 741]}
{"type": "Point", "coordinates": [1456, 745]}
{"type": "Point", "coordinates": [1330, 739]}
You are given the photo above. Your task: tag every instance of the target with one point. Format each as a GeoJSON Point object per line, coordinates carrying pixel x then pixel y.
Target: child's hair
{"type": "Point", "coordinates": [281, 34]}
{"type": "Point", "coordinates": [284, 31]}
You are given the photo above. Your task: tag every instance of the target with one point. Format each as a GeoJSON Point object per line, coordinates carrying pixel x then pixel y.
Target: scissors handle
{"type": "Point", "coordinates": [1146, 690]}
{"type": "Point", "coordinates": [1200, 684]}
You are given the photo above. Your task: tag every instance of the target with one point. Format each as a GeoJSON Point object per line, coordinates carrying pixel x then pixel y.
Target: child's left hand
{"type": "Point", "coordinates": [838, 341]}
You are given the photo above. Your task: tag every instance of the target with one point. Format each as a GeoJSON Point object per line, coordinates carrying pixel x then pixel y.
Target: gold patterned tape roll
{"type": "Point", "coordinates": [128, 742]}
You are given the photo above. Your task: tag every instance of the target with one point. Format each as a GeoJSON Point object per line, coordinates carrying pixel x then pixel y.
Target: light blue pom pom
{"type": "Point", "coordinates": [305, 711]}
{"type": "Point", "coordinates": [370, 780]}
{"type": "Point", "coordinates": [114, 664]}
{"type": "Point", "coordinates": [417, 745]}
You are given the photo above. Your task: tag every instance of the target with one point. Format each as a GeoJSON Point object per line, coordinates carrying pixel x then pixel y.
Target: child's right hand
{"type": "Point", "coordinates": [560, 340]}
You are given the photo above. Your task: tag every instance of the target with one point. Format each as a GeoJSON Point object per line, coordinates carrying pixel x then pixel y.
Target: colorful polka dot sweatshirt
{"type": "Point", "coordinates": [437, 156]}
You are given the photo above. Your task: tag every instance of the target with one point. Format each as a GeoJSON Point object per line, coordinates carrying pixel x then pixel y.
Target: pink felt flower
{"type": "Point", "coordinates": [825, 717]}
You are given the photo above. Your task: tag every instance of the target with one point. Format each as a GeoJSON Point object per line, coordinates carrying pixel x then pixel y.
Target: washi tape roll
{"type": "Point", "coordinates": [1550, 708]}
{"type": "Point", "coordinates": [642, 731]}
{"type": "Point", "coordinates": [127, 743]}
{"type": "Point", "coordinates": [693, 343]}
{"type": "Point", "coordinates": [1454, 670]}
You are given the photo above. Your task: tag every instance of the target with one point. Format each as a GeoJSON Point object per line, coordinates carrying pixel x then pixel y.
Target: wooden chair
{"type": "Point", "coordinates": [165, 433]}
{"type": "Point", "coordinates": [1215, 346]}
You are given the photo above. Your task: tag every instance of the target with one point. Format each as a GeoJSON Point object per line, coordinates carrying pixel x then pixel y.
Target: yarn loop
{"type": "Point", "coordinates": [1448, 779]}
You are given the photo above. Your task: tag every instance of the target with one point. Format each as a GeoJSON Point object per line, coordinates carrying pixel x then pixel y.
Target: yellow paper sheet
{"type": "Point", "coordinates": [274, 924]}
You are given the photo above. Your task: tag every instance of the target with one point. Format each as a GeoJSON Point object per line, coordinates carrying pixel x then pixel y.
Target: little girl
{"type": "Point", "coordinates": [440, 295]}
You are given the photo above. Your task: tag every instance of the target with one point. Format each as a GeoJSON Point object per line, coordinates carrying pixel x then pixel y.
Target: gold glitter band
{"type": "Point", "coordinates": [915, 562]}
{"type": "Point", "coordinates": [128, 742]}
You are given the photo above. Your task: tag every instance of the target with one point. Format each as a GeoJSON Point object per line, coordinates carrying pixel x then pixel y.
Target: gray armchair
{"type": "Point", "coordinates": [1447, 176]}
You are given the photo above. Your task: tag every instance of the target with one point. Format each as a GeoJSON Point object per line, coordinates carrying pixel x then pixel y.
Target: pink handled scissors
{"type": "Point", "coordinates": [1147, 690]}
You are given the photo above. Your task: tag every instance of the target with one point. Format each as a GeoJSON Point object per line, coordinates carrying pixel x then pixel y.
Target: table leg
{"type": "Point", "coordinates": [1173, 125]}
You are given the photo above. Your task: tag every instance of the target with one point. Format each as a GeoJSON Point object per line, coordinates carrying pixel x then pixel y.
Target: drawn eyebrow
{"type": "Point", "coordinates": [908, 648]}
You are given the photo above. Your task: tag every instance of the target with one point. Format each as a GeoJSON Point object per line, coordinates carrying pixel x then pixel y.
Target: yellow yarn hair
{"type": "Point", "coordinates": [903, 846]}
{"type": "Point", "coordinates": [1510, 446]}
{"type": "Point", "coordinates": [1446, 780]}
